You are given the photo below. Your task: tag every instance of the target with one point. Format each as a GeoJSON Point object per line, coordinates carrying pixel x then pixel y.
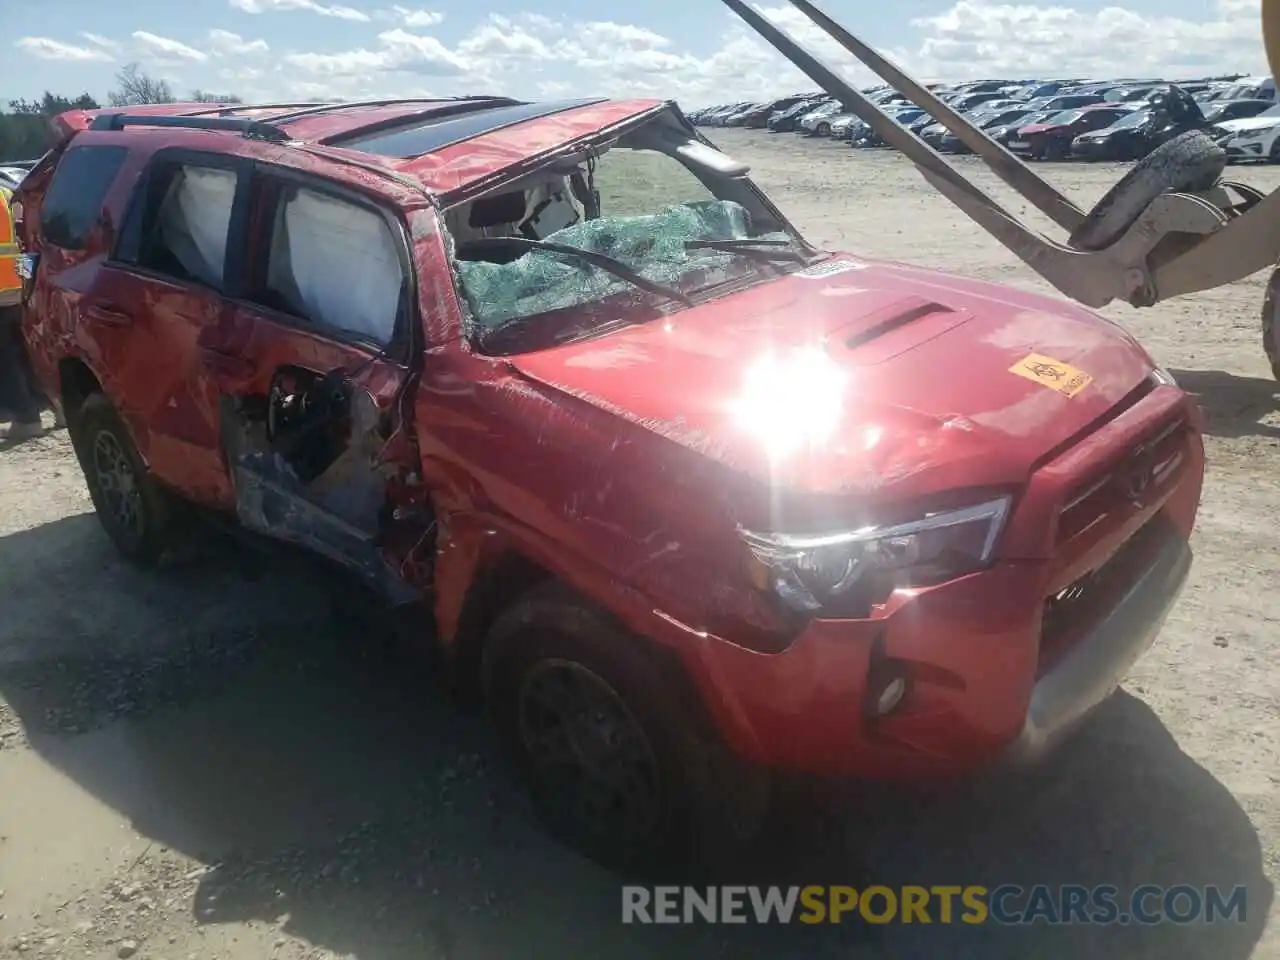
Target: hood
{"type": "Point", "coordinates": [1248, 124]}
{"type": "Point", "coordinates": [859, 377]}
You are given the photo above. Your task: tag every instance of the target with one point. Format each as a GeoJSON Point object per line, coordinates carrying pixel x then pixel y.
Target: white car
{"type": "Point", "coordinates": [1252, 138]}
{"type": "Point", "coordinates": [818, 122]}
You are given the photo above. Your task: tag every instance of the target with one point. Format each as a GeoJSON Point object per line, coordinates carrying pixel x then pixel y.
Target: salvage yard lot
{"type": "Point", "coordinates": [206, 763]}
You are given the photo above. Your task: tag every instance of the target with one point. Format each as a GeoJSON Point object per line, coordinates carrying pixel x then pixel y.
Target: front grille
{"type": "Point", "coordinates": [1070, 613]}
{"type": "Point", "coordinates": [1141, 473]}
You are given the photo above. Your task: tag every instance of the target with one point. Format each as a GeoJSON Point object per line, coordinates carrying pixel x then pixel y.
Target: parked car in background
{"type": "Point", "coordinates": [1072, 101]}
{"type": "Point", "coordinates": [753, 115]}
{"type": "Point", "coordinates": [841, 124]}
{"type": "Point", "coordinates": [1004, 133]}
{"type": "Point", "coordinates": [1127, 138]}
{"type": "Point", "coordinates": [1253, 138]}
{"type": "Point", "coordinates": [861, 135]}
{"type": "Point", "coordinates": [788, 119]}
{"type": "Point", "coordinates": [950, 143]}
{"type": "Point", "coordinates": [1051, 138]}
{"type": "Point", "coordinates": [1250, 88]}
{"type": "Point", "coordinates": [1224, 110]}
{"type": "Point", "coordinates": [817, 123]}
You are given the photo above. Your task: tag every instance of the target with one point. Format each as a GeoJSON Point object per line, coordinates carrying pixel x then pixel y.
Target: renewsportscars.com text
{"type": "Point", "coordinates": [1006, 904]}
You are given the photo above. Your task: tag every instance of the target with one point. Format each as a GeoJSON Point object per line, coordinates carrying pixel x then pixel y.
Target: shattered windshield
{"type": "Point", "coordinates": [644, 227]}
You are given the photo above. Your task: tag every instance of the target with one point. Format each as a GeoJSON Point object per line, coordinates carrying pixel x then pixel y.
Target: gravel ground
{"type": "Point", "coordinates": [204, 762]}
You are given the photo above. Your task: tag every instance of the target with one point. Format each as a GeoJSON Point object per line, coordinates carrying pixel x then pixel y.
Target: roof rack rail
{"type": "Point", "coordinates": [388, 102]}
{"type": "Point", "coordinates": [253, 129]}
{"type": "Point", "coordinates": [238, 107]}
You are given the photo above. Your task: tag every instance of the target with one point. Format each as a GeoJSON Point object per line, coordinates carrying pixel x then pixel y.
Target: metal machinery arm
{"type": "Point", "coordinates": [1181, 243]}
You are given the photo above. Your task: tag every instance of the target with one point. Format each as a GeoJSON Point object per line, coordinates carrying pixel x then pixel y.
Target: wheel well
{"type": "Point", "coordinates": [77, 383]}
{"type": "Point", "coordinates": [489, 595]}
{"type": "Point", "coordinates": [510, 577]}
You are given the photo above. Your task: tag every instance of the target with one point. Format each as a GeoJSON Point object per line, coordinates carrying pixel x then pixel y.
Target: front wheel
{"type": "Point", "coordinates": [132, 509]}
{"type": "Point", "coordinates": [609, 747]}
{"type": "Point", "coordinates": [824, 130]}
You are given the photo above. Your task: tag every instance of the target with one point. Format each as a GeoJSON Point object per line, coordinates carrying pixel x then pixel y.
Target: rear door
{"type": "Point", "coordinates": [179, 255]}
{"type": "Point", "coordinates": [317, 360]}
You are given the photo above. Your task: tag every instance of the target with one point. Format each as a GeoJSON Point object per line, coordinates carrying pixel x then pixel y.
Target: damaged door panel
{"type": "Point", "coordinates": [179, 256]}
{"type": "Point", "coordinates": [313, 374]}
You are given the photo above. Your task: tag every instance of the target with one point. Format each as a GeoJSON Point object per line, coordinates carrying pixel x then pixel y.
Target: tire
{"type": "Point", "coordinates": [824, 130]}
{"type": "Point", "coordinates": [1271, 323]}
{"type": "Point", "coordinates": [551, 646]}
{"type": "Point", "coordinates": [1057, 151]}
{"type": "Point", "coordinates": [133, 510]}
{"type": "Point", "coordinates": [1188, 162]}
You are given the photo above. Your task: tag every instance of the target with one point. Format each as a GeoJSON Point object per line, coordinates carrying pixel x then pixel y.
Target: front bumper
{"type": "Point", "coordinates": [991, 678]}
{"type": "Point", "coordinates": [1241, 149]}
{"type": "Point", "coordinates": [1094, 667]}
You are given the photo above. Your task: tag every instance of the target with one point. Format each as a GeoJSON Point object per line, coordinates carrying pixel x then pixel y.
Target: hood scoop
{"type": "Point", "coordinates": [901, 325]}
{"type": "Point", "coordinates": [899, 315]}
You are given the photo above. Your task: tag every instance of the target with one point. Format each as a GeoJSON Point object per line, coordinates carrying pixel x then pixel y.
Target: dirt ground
{"type": "Point", "coordinates": [205, 763]}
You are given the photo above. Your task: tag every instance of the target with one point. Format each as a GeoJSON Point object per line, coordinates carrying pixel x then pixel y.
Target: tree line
{"type": "Point", "coordinates": [24, 127]}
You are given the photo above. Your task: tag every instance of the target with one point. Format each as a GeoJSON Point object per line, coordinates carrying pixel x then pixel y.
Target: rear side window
{"type": "Point", "coordinates": [182, 228]}
{"type": "Point", "coordinates": [73, 203]}
{"type": "Point", "coordinates": [334, 264]}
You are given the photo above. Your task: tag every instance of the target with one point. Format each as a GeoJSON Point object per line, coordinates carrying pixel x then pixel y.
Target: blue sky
{"type": "Point", "coordinates": [694, 50]}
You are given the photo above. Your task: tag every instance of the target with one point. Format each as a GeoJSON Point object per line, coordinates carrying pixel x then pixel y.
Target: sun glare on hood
{"type": "Point", "coordinates": [792, 401]}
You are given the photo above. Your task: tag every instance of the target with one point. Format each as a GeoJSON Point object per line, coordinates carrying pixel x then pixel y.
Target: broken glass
{"type": "Point", "coordinates": [653, 245]}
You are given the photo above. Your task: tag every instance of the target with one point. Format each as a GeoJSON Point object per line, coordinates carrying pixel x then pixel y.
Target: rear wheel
{"type": "Point", "coordinates": [611, 751]}
{"type": "Point", "coordinates": [133, 510]}
{"type": "Point", "coordinates": [1271, 323]}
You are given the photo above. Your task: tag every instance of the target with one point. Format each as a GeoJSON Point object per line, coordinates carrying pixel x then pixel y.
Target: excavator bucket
{"type": "Point", "coordinates": [1177, 241]}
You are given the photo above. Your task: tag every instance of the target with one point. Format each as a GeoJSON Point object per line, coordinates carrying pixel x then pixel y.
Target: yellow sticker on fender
{"type": "Point", "coordinates": [1052, 373]}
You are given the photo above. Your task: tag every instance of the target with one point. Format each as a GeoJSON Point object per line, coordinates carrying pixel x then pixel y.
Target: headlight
{"type": "Point", "coordinates": [810, 573]}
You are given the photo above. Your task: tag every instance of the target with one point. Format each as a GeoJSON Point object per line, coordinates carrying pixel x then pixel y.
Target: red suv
{"type": "Point", "coordinates": [691, 502]}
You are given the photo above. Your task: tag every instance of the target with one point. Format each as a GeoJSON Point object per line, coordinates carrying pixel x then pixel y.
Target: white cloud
{"type": "Point", "coordinates": [417, 18]}
{"type": "Point", "coordinates": [529, 54]}
{"type": "Point", "coordinates": [106, 43]}
{"type": "Point", "coordinates": [325, 10]}
{"type": "Point", "coordinates": [224, 43]}
{"type": "Point", "coordinates": [500, 38]}
{"type": "Point", "coordinates": [166, 48]}
{"type": "Point", "coordinates": [399, 51]}
{"type": "Point", "coordinates": [1015, 39]}
{"type": "Point", "coordinates": [47, 49]}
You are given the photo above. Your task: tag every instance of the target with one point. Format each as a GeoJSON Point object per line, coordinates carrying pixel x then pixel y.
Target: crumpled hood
{"type": "Point", "coordinates": [859, 377]}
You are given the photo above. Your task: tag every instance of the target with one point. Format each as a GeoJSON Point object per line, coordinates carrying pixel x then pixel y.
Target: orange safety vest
{"type": "Point", "coordinates": [10, 282]}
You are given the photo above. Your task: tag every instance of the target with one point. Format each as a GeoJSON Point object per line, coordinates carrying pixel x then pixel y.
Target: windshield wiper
{"type": "Point", "coordinates": [769, 251]}
{"type": "Point", "coordinates": [607, 264]}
